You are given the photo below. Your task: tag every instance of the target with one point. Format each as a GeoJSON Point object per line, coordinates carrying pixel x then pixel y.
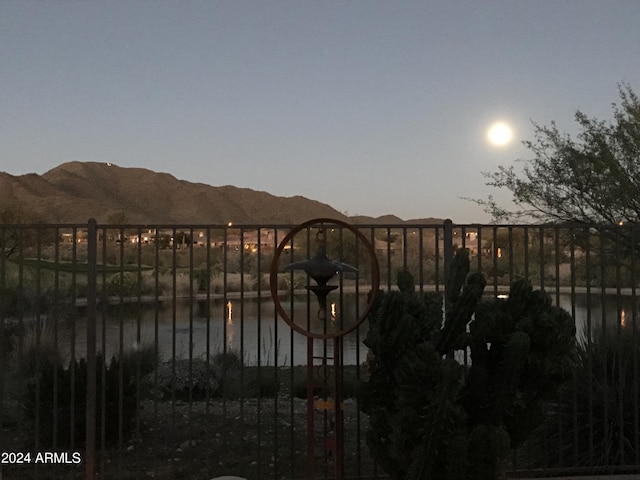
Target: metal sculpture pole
{"type": "Point", "coordinates": [321, 270]}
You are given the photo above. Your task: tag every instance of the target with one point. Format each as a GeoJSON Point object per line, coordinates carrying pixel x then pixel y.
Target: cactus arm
{"type": "Point", "coordinates": [457, 275]}
{"type": "Point", "coordinates": [460, 314]}
{"type": "Point", "coordinates": [515, 355]}
{"type": "Point", "coordinates": [442, 421]}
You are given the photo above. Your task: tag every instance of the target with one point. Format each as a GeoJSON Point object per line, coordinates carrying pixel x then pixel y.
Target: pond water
{"type": "Point", "coordinates": [596, 311]}
{"type": "Point", "coordinates": [252, 328]}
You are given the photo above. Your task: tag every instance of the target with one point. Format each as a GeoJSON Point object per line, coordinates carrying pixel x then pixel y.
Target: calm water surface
{"type": "Point", "coordinates": [253, 329]}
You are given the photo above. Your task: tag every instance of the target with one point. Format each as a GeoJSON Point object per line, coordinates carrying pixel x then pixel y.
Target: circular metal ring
{"type": "Point", "coordinates": [375, 277]}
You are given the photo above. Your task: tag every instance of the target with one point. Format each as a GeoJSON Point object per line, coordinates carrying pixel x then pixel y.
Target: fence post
{"type": "Point", "coordinates": [90, 441]}
{"type": "Point", "coordinates": [448, 249]}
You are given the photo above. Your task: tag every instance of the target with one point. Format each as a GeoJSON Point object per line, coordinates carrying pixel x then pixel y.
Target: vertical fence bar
{"type": "Point", "coordinates": [405, 248]}
{"type": "Point", "coordinates": [541, 257]}
{"type": "Point", "coordinates": [56, 339]}
{"type": "Point", "coordinates": [436, 257]}
{"type": "Point", "coordinates": [420, 259]}
{"type": "Point", "coordinates": [38, 334]}
{"type": "Point", "coordinates": [558, 259]}
{"type": "Point", "coordinates": [526, 252]}
{"type": "Point", "coordinates": [104, 306]}
{"type": "Point", "coordinates": [191, 276]}
{"type": "Point", "coordinates": [620, 360]}
{"type": "Point", "coordinates": [634, 312]}
{"type": "Point", "coordinates": [448, 248]}
{"type": "Point", "coordinates": [242, 268]}
{"type": "Point", "coordinates": [4, 343]}
{"type": "Point", "coordinates": [587, 340]}
{"type": "Point", "coordinates": [72, 387]}
{"type": "Point", "coordinates": [495, 249]}
{"type": "Point", "coordinates": [511, 247]}
{"type": "Point", "coordinates": [556, 252]}
{"type": "Point", "coordinates": [479, 247]}
{"type": "Point", "coordinates": [156, 340]}
{"type": "Point", "coordinates": [138, 342]}
{"type": "Point", "coordinates": [576, 425]}
{"type": "Point", "coordinates": [259, 349]}
{"type": "Point", "coordinates": [603, 339]}
{"type": "Point", "coordinates": [388, 258]}
{"type": "Point", "coordinates": [90, 440]}
{"type": "Point", "coordinates": [292, 281]}
{"type": "Point", "coordinates": [276, 377]}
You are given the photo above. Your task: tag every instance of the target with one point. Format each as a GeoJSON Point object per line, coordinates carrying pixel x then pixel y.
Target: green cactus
{"type": "Point", "coordinates": [432, 417]}
{"type": "Point", "coordinates": [460, 313]}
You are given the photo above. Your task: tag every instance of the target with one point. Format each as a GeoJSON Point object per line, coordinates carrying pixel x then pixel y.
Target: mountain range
{"type": "Point", "coordinates": [76, 191]}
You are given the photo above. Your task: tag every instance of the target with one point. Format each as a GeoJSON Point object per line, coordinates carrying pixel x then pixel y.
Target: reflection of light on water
{"type": "Point", "coordinates": [230, 322]}
{"type": "Point", "coordinates": [623, 318]}
{"type": "Point", "coordinates": [333, 311]}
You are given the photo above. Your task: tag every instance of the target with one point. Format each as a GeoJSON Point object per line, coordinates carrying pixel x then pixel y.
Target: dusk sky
{"type": "Point", "coordinates": [374, 107]}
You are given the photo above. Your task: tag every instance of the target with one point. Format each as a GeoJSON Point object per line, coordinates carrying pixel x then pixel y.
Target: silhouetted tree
{"type": "Point", "coordinates": [14, 234]}
{"type": "Point", "coordinates": [594, 178]}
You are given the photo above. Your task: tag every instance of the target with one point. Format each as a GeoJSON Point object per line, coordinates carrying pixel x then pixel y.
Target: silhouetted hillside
{"type": "Point", "coordinates": [76, 191]}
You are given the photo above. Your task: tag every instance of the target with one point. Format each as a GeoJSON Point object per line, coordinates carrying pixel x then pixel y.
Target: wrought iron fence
{"type": "Point", "coordinates": [196, 376]}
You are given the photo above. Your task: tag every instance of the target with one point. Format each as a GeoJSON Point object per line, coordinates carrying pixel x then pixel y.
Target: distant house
{"type": "Point", "coordinates": [382, 247]}
{"type": "Point", "coordinates": [249, 241]}
{"type": "Point", "coordinates": [144, 238]}
{"type": "Point", "coordinates": [463, 239]}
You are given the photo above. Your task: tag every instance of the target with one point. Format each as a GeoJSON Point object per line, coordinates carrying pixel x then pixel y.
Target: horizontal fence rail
{"type": "Point", "coordinates": [155, 351]}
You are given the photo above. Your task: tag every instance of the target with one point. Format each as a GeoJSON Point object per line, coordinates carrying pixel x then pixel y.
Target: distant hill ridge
{"type": "Point", "coordinates": [75, 191]}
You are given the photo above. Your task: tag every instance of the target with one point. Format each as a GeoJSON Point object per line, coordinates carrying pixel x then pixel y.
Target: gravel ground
{"type": "Point", "coordinates": [253, 438]}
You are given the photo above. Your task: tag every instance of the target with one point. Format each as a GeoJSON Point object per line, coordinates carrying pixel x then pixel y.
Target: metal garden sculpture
{"type": "Point", "coordinates": [324, 370]}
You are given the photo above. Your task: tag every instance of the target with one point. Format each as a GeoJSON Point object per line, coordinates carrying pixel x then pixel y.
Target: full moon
{"type": "Point", "coordinates": [499, 134]}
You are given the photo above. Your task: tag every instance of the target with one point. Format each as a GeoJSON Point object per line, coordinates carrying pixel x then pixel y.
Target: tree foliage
{"type": "Point", "coordinates": [14, 235]}
{"type": "Point", "coordinates": [592, 178]}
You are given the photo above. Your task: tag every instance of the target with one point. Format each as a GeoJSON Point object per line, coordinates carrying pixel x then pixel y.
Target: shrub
{"type": "Point", "coordinates": [223, 376]}
{"type": "Point", "coordinates": [266, 378]}
{"type": "Point", "coordinates": [125, 284]}
{"type": "Point", "coordinates": [202, 276]}
{"type": "Point", "coordinates": [9, 301]}
{"type": "Point", "coordinates": [228, 370]}
{"type": "Point", "coordinates": [38, 342]}
{"type": "Point", "coordinates": [18, 301]}
{"type": "Point", "coordinates": [56, 396]}
{"type": "Point", "coordinates": [139, 361]}
{"type": "Point", "coordinates": [174, 379]}
{"type": "Point", "coordinates": [594, 422]}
